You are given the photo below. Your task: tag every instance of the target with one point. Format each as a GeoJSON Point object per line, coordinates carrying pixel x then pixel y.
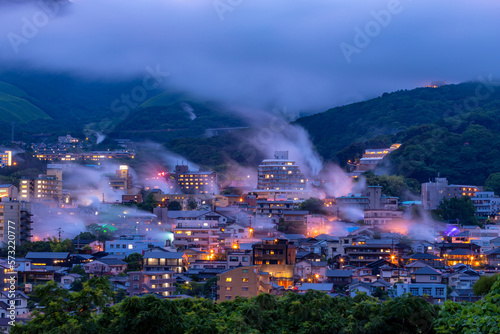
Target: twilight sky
{"type": "Point", "coordinates": [305, 55]}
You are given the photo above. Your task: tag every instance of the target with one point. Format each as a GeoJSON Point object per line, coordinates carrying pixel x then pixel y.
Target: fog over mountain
{"type": "Point", "coordinates": [264, 54]}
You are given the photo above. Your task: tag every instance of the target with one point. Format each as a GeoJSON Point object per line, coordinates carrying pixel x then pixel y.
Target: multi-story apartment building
{"type": "Point", "coordinates": [281, 179]}
{"type": "Point", "coordinates": [196, 234]}
{"type": "Point", "coordinates": [382, 217]}
{"type": "Point", "coordinates": [8, 192]}
{"type": "Point", "coordinates": [17, 215]}
{"type": "Point", "coordinates": [45, 188]}
{"type": "Point", "coordinates": [486, 203]}
{"type": "Point", "coordinates": [280, 174]}
{"type": "Point", "coordinates": [157, 282]}
{"type": "Point", "coordinates": [373, 199]}
{"type": "Point", "coordinates": [6, 159]}
{"type": "Point", "coordinates": [196, 182]}
{"type": "Point", "coordinates": [295, 221]}
{"type": "Point", "coordinates": [277, 257]}
{"type": "Point", "coordinates": [246, 281]}
{"type": "Point", "coordinates": [121, 180]}
{"type": "Point", "coordinates": [362, 254]}
{"type": "Point", "coordinates": [433, 192]}
{"type": "Point", "coordinates": [129, 244]}
{"type": "Point", "coordinates": [165, 261]}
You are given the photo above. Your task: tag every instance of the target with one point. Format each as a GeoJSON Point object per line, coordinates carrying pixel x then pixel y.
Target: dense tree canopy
{"type": "Point", "coordinates": [460, 210]}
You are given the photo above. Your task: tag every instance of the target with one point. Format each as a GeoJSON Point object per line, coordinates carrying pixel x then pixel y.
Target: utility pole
{"type": "Point", "coordinates": [59, 233]}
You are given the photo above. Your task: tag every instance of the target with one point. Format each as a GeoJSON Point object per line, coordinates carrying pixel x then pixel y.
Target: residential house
{"type": "Point", "coordinates": [68, 279]}
{"type": "Point", "coordinates": [105, 267]}
{"type": "Point", "coordinates": [242, 282]}
{"type": "Point", "coordinates": [426, 275]}
{"type": "Point", "coordinates": [339, 277]}
{"type": "Point", "coordinates": [20, 302]}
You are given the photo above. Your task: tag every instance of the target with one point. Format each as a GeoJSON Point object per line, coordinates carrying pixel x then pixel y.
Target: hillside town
{"type": "Point", "coordinates": [179, 234]}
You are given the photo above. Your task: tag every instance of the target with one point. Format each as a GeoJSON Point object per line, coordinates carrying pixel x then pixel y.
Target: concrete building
{"type": "Point", "coordinates": [165, 261]}
{"type": "Point", "coordinates": [6, 159]}
{"type": "Point", "coordinates": [487, 204]}
{"type": "Point", "coordinates": [371, 158]}
{"type": "Point", "coordinates": [242, 282]}
{"type": "Point", "coordinates": [277, 257]}
{"type": "Point", "coordinates": [196, 234]}
{"type": "Point", "coordinates": [436, 291]}
{"type": "Point", "coordinates": [157, 282]}
{"type": "Point", "coordinates": [129, 244]}
{"type": "Point", "coordinates": [433, 192]}
{"type": "Point", "coordinates": [281, 179]}
{"type": "Point", "coordinates": [196, 182]}
{"type": "Point", "coordinates": [46, 187]}
{"type": "Point", "coordinates": [373, 199]}
{"type": "Point", "coordinates": [9, 192]}
{"type": "Point", "coordinates": [382, 217]}
{"type": "Point", "coordinates": [17, 215]}
{"type": "Point", "coordinates": [361, 254]}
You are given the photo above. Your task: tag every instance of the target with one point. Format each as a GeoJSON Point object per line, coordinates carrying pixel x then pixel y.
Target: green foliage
{"type": "Point", "coordinates": [86, 236]}
{"type": "Point", "coordinates": [484, 284]}
{"type": "Point", "coordinates": [134, 262]}
{"type": "Point", "coordinates": [394, 185]}
{"type": "Point", "coordinates": [460, 209]}
{"type": "Point", "coordinates": [480, 317]}
{"type": "Point", "coordinates": [313, 205]}
{"type": "Point", "coordinates": [191, 204]}
{"type": "Point", "coordinates": [78, 269]}
{"type": "Point", "coordinates": [174, 206]}
{"type": "Point", "coordinates": [148, 204]}
{"type": "Point", "coordinates": [493, 183]}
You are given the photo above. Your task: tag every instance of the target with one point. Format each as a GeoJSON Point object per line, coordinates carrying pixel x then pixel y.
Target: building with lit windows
{"type": "Point", "coordinates": [196, 182]}
{"type": "Point", "coordinates": [371, 158]}
{"type": "Point", "coordinates": [6, 159]}
{"type": "Point", "coordinates": [248, 281]}
{"type": "Point", "coordinates": [433, 192]}
{"type": "Point", "coordinates": [129, 244]}
{"type": "Point", "coordinates": [276, 257]}
{"type": "Point", "coordinates": [281, 178]}
{"type": "Point", "coordinates": [8, 192]}
{"type": "Point", "coordinates": [157, 282]}
{"type": "Point", "coordinates": [45, 188]}
{"type": "Point", "coordinates": [17, 215]}
{"type": "Point", "coordinates": [197, 233]}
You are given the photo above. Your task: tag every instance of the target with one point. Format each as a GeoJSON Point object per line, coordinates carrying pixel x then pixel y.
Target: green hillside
{"type": "Point", "coordinates": [339, 127]}
{"type": "Point", "coordinates": [15, 108]}
{"type": "Point", "coordinates": [169, 116]}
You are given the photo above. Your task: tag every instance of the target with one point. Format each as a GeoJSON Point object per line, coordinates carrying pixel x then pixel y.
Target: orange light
{"type": "Point", "coordinates": [317, 276]}
{"type": "Point", "coordinates": [235, 246]}
{"type": "Point", "coordinates": [211, 251]}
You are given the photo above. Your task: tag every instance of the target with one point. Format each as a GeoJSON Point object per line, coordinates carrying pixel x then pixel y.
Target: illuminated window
{"type": "Point", "coordinates": [229, 279]}
{"type": "Point", "coordinates": [244, 280]}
